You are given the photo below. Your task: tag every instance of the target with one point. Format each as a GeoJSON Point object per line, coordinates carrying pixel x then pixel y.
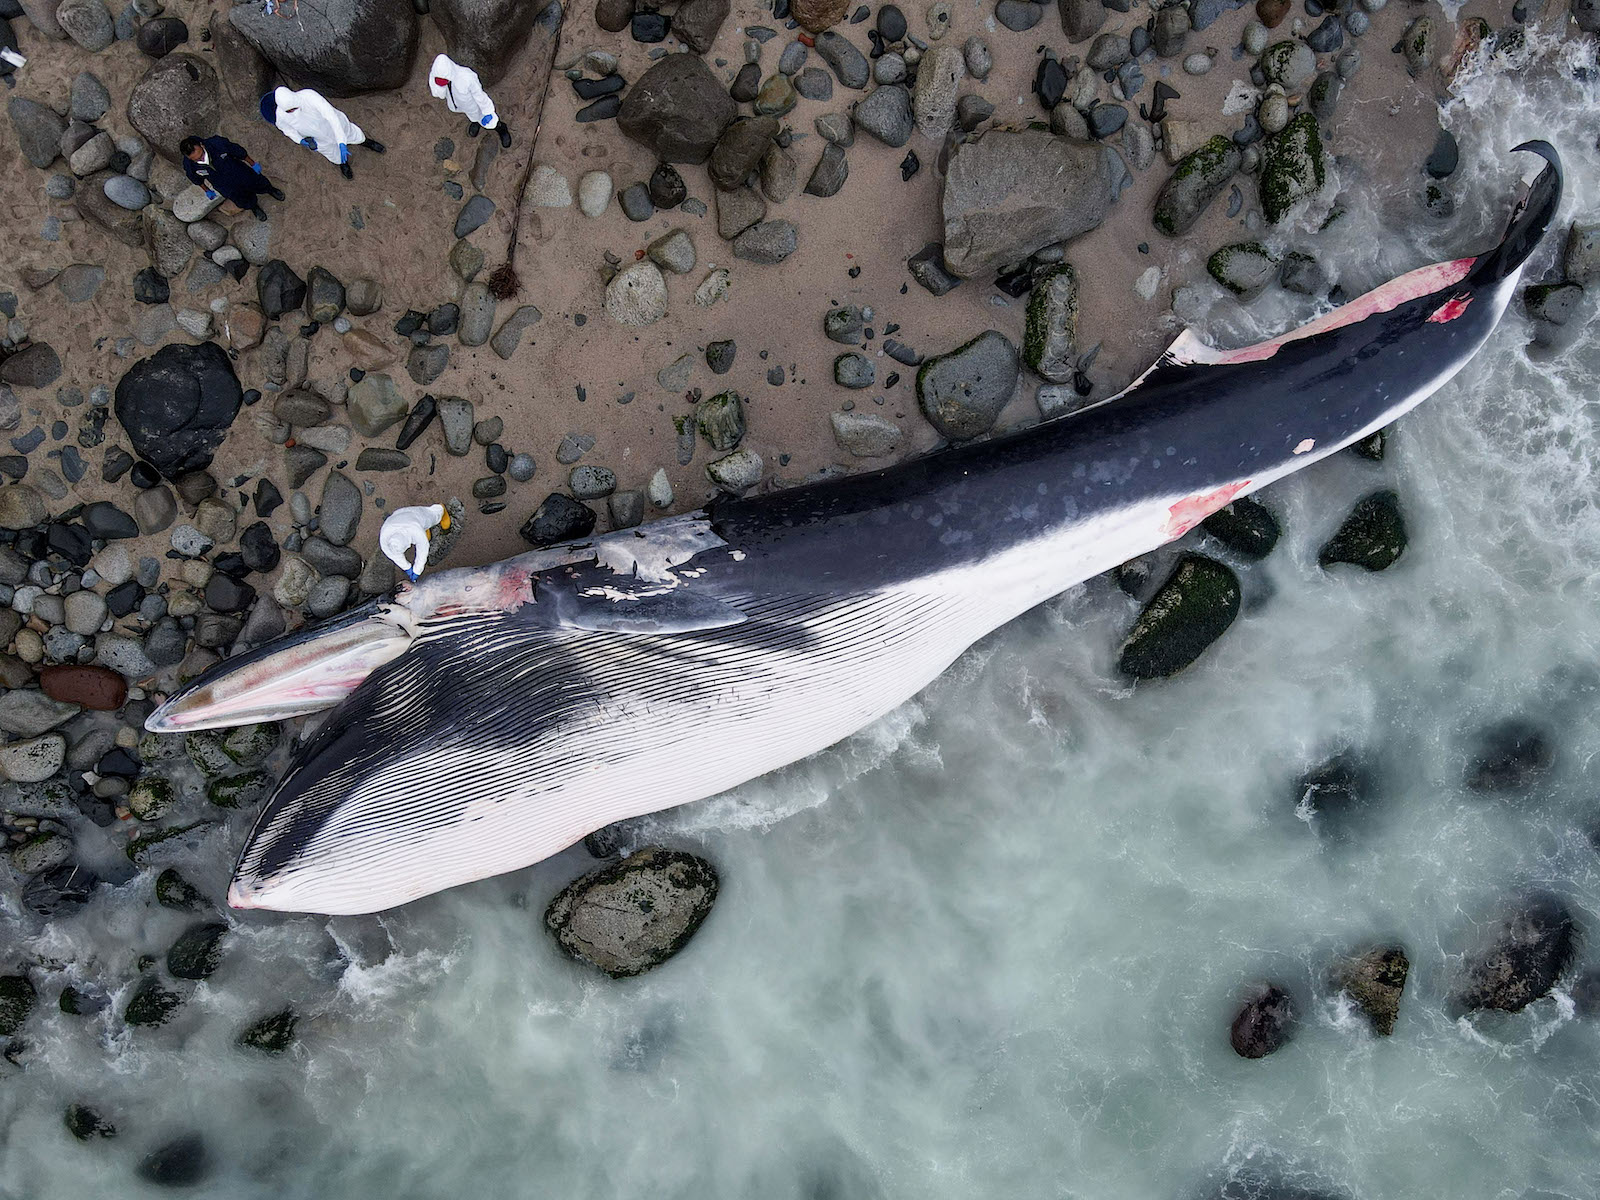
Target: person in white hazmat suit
{"type": "Point", "coordinates": [462, 91]}
{"type": "Point", "coordinates": [307, 118]}
{"type": "Point", "coordinates": [409, 529]}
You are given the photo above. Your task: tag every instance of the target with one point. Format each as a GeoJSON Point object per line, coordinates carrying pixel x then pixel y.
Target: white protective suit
{"type": "Point", "coordinates": [305, 114]}
{"type": "Point", "coordinates": [407, 529]}
{"type": "Point", "coordinates": [461, 89]}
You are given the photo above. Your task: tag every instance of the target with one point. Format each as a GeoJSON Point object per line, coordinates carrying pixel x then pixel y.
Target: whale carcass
{"type": "Point", "coordinates": [484, 719]}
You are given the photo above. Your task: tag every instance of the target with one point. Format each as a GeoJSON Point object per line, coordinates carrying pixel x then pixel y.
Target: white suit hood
{"type": "Point", "coordinates": [462, 91]}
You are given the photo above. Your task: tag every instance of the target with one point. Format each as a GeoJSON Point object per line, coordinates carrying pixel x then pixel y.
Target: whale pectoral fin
{"type": "Point", "coordinates": [604, 609]}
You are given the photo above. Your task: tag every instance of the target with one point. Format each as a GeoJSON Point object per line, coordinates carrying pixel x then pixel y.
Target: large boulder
{"type": "Point", "coordinates": [678, 108]}
{"type": "Point", "coordinates": [963, 392]}
{"type": "Point", "coordinates": [487, 34]}
{"type": "Point", "coordinates": [1011, 193]}
{"type": "Point", "coordinates": [94, 205]}
{"type": "Point", "coordinates": [635, 914]}
{"type": "Point", "coordinates": [338, 47]}
{"type": "Point", "coordinates": [1191, 610]}
{"type": "Point", "coordinates": [177, 404]}
{"type": "Point", "coordinates": [178, 97]}
{"type": "Point", "coordinates": [1522, 958]}
{"type": "Point", "coordinates": [246, 75]}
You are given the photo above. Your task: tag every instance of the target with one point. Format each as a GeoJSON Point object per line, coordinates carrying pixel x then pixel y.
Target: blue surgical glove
{"type": "Point", "coordinates": [484, 121]}
{"type": "Point", "coordinates": [309, 143]}
{"type": "Point", "coordinates": [256, 167]}
{"type": "Point", "coordinates": [344, 153]}
{"type": "Point", "coordinates": [210, 195]}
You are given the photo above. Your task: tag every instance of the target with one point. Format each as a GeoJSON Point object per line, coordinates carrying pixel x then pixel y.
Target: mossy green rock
{"type": "Point", "coordinates": [1245, 268]}
{"type": "Point", "coordinates": [249, 745]}
{"type": "Point", "coordinates": [1192, 609]}
{"type": "Point", "coordinates": [198, 951]}
{"type": "Point", "coordinates": [1293, 166]}
{"type": "Point", "coordinates": [1290, 63]}
{"type": "Point", "coordinates": [635, 914]}
{"type": "Point", "coordinates": [145, 842]}
{"type": "Point", "coordinates": [963, 392]}
{"type": "Point", "coordinates": [271, 1035]}
{"type": "Point", "coordinates": [720, 420]}
{"type": "Point", "coordinates": [1196, 181]}
{"type": "Point", "coordinates": [151, 1004]}
{"type": "Point", "coordinates": [1374, 981]}
{"type": "Point", "coordinates": [175, 892]}
{"type": "Point", "coordinates": [150, 797]}
{"type": "Point", "coordinates": [239, 791]}
{"type": "Point", "coordinates": [85, 1124]}
{"type": "Point", "coordinates": [1051, 327]}
{"type": "Point", "coordinates": [1246, 526]}
{"type": "Point", "coordinates": [1372, 537]}
{"type": "Point", "coordinates": [41, 852]}
{"type": "Point", "coordinates": [206, 752]}
{"type": "Point", "coordinates": [16, 1002]}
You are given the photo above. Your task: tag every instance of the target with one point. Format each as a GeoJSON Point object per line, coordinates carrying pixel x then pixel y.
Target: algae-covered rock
{"type": "Point", "coordinates": [1374, 981]}
{"type": "Point", "coordinates": [16, 1002]}
{"type": "Point", "coordinates": [720, 420]}
{"type": "Point", "coordinates": [1245, 268]}
{"type": "Point", "coordinates": [1246, 527]}
{"type": "Point", "coordinates": [175, 892]}
{"type": "Point", "coordinates": [1196, 181]}
{"type": "Point", "coordinates": [1192, 609]}
{"type": "Point", "coordinates": [1294, 166]}
{"type": "Point", "coordinates": [1522, 959]}
{"type": "Point", "coordinates": [150, 797]}
{"type": "Point", "coordinates": [243, 790]}
{"type": "Point", "coordinates": [151, 1004]}
{"type": "Point", "coordinates": [1051, 327]}
{"type": "Point", "coordinates": [198, 951]}
{"type": "Point", "coordinates": [271, 1035]}
{"type": "Point", "coordinates": [636, 914]}
{"type": "Point", "coordinates": [1372, 537]}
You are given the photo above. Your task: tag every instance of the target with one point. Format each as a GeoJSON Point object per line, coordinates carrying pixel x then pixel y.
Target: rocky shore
{"type": "Point", "coordinates": [750, 246]}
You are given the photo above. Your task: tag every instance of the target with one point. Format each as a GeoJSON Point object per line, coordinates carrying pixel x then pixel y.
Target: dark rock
{"type": "Point", "coordinates": [338, 47]}
{"type": "Point", "coordinates": [1522, 959]}
{"type": "Point", "coordinates": [182, 1162]}
{"type": "Point", "coordinates": [1081, 19]}
{"type": "Point", "coordinates": [473, 214]}
{"type": "Point", "coordinates": [1264, 1024]}
{"type": "Point", "coordinates": [1510, 756]}
{"type": "Point", "coordinates": [226, 595]}
{"type": "Point", "coordinates": [1302, 274]}
{"type": "Point", "coordinates": [16, 1003]}
{"type": "Point", "coordinates": [697, 22]}
{"type": "Point", "coordinates": [1372, 537]}
{"type": "Point", "coordinates": [59, 890]}
{"type": "Point", "coordinates": [1336, 796]}
{"type": "Point", "coordinates": [178, 96]}
{"type": "Point", "coordinates": [649, 27]}
{"type": "Point", "coordinates": [34, 366]}
{"type": "Point", "coordinates": [278, 289]}
{"type": "Point", "coordinates": [39, 130]}
{"type": "Point", "coordinates": [198, 951]}
{"type": "Point", "coordinates": [635, 202]}
{"type": "Point", "coordinates": [636, 914]}
{"type": "Point", "coordinates": [160, 37]}
{"type": "Point", "coordinates": [1374, 981]}
{"type": "Point", "coordinates": [1293, 167]}
{"type": "Point", "coordinates": [828, 176]}
{"type": "Point", "coordinates": [417, 420]}
{"type": "Point", "coordinates": [150, 288]}
{"type": "Point", "coordinates": [613, 15]}
{"type": "Point", "coordinates": [324, 295]}
{"type": "Point", "coordinates": [1196, 181]}
{"type": "Point", "coordinates": [487, 35]}
{"type": "Point", "coordinates": [560, 518]}
{"type": "Point", "coordinates": [739, 150]}
{"type": "Point", "coordinates": [1552, 302]}
{"type": "Point", "coordinates": [927, 267]}
{"type": "Point", "coordinates": [849, 64]}
{"type": "Point", "coordinates": [972, 110]}
{"type": "Point", "coordinates": [1018, 15]}
{"type": "Point", "coordinates": [1326, 37]}
{"type": "Point", "coordinates": [667, 189]}
{"type": "Point", "coordinates": [258, 547]}
{"type": "Point", "coordinates": [177, 405]}
{"type": "Point", "coordinates": [1195, 607]}
{"type": "Point", "coordinates": [271, 1035]}
{"type": "Point", "coordinates": [246, 75]}
{"type": "Point", "coordinates": [677, 109]}
{"type": "Point", "coordinates": [151, 1004]}
{"type": "Point", "coordinates": [85, 1124]}
{"type": "Point", "coordinates": [963, 392]}
{"type": "Point", "coordinates": [602, 109]}
{"type": "Point", "coordinates": [719, 356]}
{"type": "Point", "coordinates": [1372, 446]}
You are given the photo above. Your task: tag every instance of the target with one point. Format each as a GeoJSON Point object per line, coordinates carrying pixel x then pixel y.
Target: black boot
{"type": "Point", "coordinates": [344, 169]}
{"type": "Point", "coordinates": [505, 137]}
{"type": "Point", "coordinates": [277, 194]}
{"type": "Point", "coordinates": [473, 129]}
{"type": "Point", "coordinates": [260, 212]}
{"type": "Point", "coordinates": [374, 145]}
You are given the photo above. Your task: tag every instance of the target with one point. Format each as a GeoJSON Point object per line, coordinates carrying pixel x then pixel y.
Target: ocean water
{"type": "Point", "coordinates": [991, 946]}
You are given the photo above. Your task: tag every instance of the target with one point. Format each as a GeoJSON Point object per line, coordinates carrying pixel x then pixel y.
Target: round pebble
{"type": "Point", "coordinates": [520, 467]}
{"type": "Point", "coordinates": [1196, 64]}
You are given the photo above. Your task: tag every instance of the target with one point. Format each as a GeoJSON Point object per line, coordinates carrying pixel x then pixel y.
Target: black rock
{"type": "Point", "coordinates": [232, 563]}
{"type": "Point", "coordinates": [1372, 537]}
{"type": "Point", "coordinates": [175, 892]}
{"type": "Point", "coordinates": [909, 165]}
{"type": "Point", "coordinates": [1523, 959]}
{"type": "Point", "coordinates": [182, 1162]}
{"type": "Point", "coordinates": [667, 189]}
{"type": "Point", "coordinates": [649, 27]}
{"type": "Point", "coordinates": [593, 89]}
{"type": "Point", "coordinates": [124, 598]}
{"type": "Point", "coordinates": [228, 595]}
{"type": "Point", "coordinates": [1510, 755]}
{"type": "Point", "coordinates": [258, 547]}
{"type": "Point", "coordinates": [1372, 446]}
{"type": "Point", "coordinates": [267, 498]}
{"type": "Point", "coordinates": [891, 23]}
{"type": "Point", "coordinates": [1336, 795]}
{"type": "Point", "coordinates": [161, 36]}
{"type": "Point", "coordinates": [602, 109]}
{"type": "Point", "coordinates": [119, 763]}
{"type": "Point", "coordinates": [71, 542]}
{"type": "Point", "coordinates": [410, 322]}
{"type": "Point", "coordinates": [1192, 609]}
{"type": "Point", "coordinates": [1245, 526]}
{"type": "Point", "coordinates": [418, 419]}
{"type": "Point", "coordinates": [1446, 156]}
{"type": "Point", "coordinates": [58, 890]}
{"type": "Point", "coordinates": [150, 288]}
{"type": "Point", "coordinates": [560, 518]}
{"type": "Point", "coordinates": [85, 1124]}
{"type": "Point", "coordinates": [496, 458]}
{"type": "Point", "coordinates": [151, 1004]}
{"type": "Point", "coordinates": [105, 520]}
{"type": "Point", "coordinates": [278, 289]}
{"type": "Point", "coordinates": [271, 1035]}
{"type": "Point", "coordinates": [198, 951]}
{"type": "Point", "coordinates": [118, 462]}
{"type": "Point", "coordinates": [1050, 83]}
{"type": "Point", "coordinates": [746, 84]}
{"type": "Point", "coordinates": [1264, 1024]}
{"type": "Point", "coordinates": [720, 356]}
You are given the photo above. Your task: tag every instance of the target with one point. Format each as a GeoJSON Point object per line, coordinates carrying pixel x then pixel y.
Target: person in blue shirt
{"type": "Point", "coordinates": [224, 169]}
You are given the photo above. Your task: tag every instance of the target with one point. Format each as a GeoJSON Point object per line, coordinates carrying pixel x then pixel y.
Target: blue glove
{"type": "Point", "coordinates": [210, 195]}
{"type": "Point", "coordinates": [344, 153]}
{"type": "Point", "coordinates": [484, 121]}
{"type": "Point", "coordinates": [256, 167]}
{"type": "Point", "coordinates": [309, 143]}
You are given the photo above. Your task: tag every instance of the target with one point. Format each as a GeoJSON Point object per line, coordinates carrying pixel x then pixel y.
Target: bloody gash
{"type": "Point", "coordinates": [484, 719]}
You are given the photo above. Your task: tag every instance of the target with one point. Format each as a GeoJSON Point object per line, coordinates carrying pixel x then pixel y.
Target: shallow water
{"type": "Point", "coordinates": [991, 946]}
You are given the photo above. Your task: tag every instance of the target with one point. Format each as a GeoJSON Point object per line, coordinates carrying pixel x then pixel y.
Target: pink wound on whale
{"type": "Point", "coordinates": [1450, 309]}
{"type": "Point", "coordinates": [1189, 512]}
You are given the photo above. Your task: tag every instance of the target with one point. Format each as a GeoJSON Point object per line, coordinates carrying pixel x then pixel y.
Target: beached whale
{"type": "Point", "coordinates": [487, 718]}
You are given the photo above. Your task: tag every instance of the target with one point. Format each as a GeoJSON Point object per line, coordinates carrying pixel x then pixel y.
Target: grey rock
{"type": "Point", "coordinates": [814, 84]}
{"type": "Point", "coordinates": [963, 392]}
{"type": "Point", "coordinates": [477, 315]}
{"type": "Point", "coordinates": [473, 214]}
{"type": "Point", "coordinates": [886, 115]}
{"type": "Point", "coordinates": [1290, 63]}
{"type": "Point", "coordinates": [838, 128]}
{"type": "Point", "coordinates": [90, 98]}
{"type": "Point", "coordinates": [939, 77]}
{"type": "Point", "coordinates": [374, 404]}
{"type": "Point", "coordinates": [455, 421]}
{"type": "Point", "coordinates": [1196, 181]}
{"type": "Point", "coordinates": [363, 297]}
{"type": "Point", "coordinates": [592, 483]}
{"type": "Point", "coordinates": [340, 508]}
{"type": "Point", "coordinates": [854, 371]}
{"type": "Point", "coordinates": [830, 173]}
{"type": "Point", "coordinates": [738, 211]}
{"type": "Point", "coordinates": [28, 712]}
{"type": "Point", "coordinates": [1081, 19]}
{"type": "Point", "coordinates": [1051, 326]}
{"type": "Point", "coordinates": [740, 149]}
{"type": "Point", "coordinates": [1008, 194]}
{"type": "Point", "coordinates": [627, 918]}
{"type": "Point", "coordinates": [39, 130]}
{"type": "Point", "coordinates": [87, 22]}
{"type": "Point", "coordinates": [509, 337]}
{"type": "Point", "coordinates": [93, 155]}
{"type": "Point", "coordinates": [178, 96]}
{"type": "Point", "coordinates": [426, 363]}
{"type": "Point", "coordinates": [635, 202]}
{"type": "Point", "coordinates": [1018, 15]}
{"type": "Point", "coordinates": [80, 282]}
{"type": "Point", "coordinates": [487, 35]}
{"type": "Point", "coordinates": [339, 47]}
{"type": "Point", "coordinates": [848, 63]}
{"type": "Point", "coordinates": [769, 242]}
{"type": "Point", "coordinates": [865, 435]}
{"type": "Point", "coordinates": [1244, 269]}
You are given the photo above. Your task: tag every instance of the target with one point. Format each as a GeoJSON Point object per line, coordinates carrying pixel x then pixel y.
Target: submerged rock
{"type": "Point", "coordinates": [1523, 958]}
{"type": "Point", "coordinates": [182, 1162]}
{"type": "Point", "coordinates": [1246, 527]}
{"type": "Point", "coordinates": [1374, 981]}
{"type": "Point", "coordinates": [1245, 269]}
{"type": "Point", "coordinates": [1510, 756]}
{"type": "Point", "coordinates": [634, 915]}
{"type": "Point", "coordinates": [1372, 537]}
{"type": "Point", "coordinates": [1265, 1023]}
{"type": "Point", "coordinates": [271, 1035]}
{"type": "Point", "coordinates": [151, 1004]}
{"type": "Point", "coordinates": [1335, 795]}
{"type": "Point", "coordinates": [1192, 609]}
{"type": "Point", "coordinates": [198, 951]}
{"type": "Point", "coordinates": [16, 1003]}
